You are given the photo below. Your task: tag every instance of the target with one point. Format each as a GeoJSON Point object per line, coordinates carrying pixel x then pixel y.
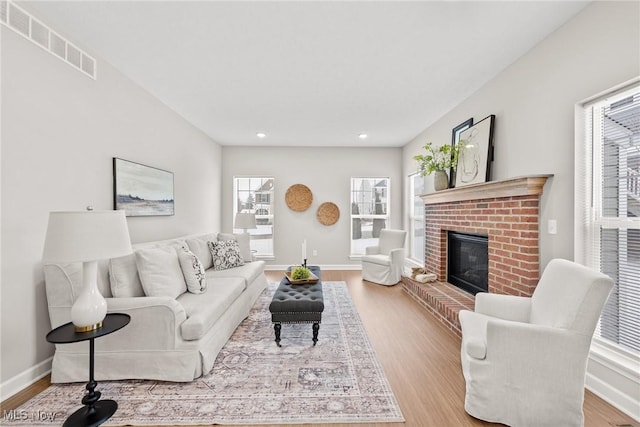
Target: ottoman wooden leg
{"type": "Point", "coordinates": [316, 328]}
{"type": "Point", "coordinates": [277, 327]}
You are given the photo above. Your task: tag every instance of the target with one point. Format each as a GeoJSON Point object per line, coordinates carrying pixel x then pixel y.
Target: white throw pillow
{"type": "Point", "coordinates": [192, 270]}
{"type": "Point", "coordinates": [225, 254]}
{"type": "Point", "coordinates": [160, 272]}
{"type": "Point", "coordinates": [123, 277]}
{"type": "Point", "coordinates": [200, 248]}
{"type": "Point", "coordinates": [244, 244]}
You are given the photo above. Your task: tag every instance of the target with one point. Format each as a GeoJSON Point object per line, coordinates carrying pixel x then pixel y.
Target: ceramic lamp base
{"type": "Point", "coordinates": [90, 308]}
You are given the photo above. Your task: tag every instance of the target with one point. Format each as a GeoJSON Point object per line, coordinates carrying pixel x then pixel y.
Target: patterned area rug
{"type": "Point", "coordinates": [253, 380]}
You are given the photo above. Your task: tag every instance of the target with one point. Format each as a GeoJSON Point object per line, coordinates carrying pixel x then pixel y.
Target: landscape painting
{"type": "Point", "coordinates": [142, 190]}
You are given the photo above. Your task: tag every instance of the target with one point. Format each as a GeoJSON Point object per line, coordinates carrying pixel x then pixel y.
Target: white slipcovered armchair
{"type": "Point", "coordinates": [524, 359]}
{"type": "Point", "coordinates": [383, 264]}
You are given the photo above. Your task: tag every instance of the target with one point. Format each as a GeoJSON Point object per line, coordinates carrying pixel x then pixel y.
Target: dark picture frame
{"type": "Point", "coordinates": [142, 190]}
{"type": "Point", "coordinates": [476, 153]}
{"type": "Point", "coordinates": [455, 137]}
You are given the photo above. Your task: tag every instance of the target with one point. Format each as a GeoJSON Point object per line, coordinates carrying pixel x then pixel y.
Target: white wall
{"type": "Point", "coordinates": [327, 172]}
{"type": "Point", "coordinates": [533, 101]}
{"type": "Point", "coordinates": [60, 130]}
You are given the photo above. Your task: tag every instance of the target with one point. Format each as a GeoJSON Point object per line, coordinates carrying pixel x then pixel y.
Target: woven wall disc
{"type": "Point", "coordinates": [328, 213]}
{"type": "Point", "coordinates": [298, 197]}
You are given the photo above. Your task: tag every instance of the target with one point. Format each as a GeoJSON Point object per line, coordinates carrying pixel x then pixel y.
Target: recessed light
{"type": "Point", "coordinates": [261, 134]}
{"type": "Point", "coordinates": [363, 136]}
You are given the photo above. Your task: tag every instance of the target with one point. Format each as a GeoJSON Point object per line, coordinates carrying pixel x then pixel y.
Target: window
{"type": "Point", "coordinates": [369, 212]}
{"type": "Point", "coordinates": [255, 195]}
{"type": "Point", "coordinates": [609, 209]}
{"type": "Point", "coordinates": [416, 218]}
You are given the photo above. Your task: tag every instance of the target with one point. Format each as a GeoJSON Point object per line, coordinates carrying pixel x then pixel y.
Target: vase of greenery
{"type": "Point", "coordinates": [437, 161]}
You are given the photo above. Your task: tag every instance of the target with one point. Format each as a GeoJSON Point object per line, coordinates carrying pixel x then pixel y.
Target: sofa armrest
{"type": "Point", "coordinates": [371, 250]}
{"type": "Point", "coordinates": [155, 324]}
{"type": "Point", "coordinates": [508, 307]}
{"type": "Point", "coordinates": [397, 256]}
{"type": "Point", "coordinates": [485, 337]}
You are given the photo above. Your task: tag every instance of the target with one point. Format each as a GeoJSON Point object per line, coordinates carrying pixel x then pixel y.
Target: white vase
{"type": "Point", "coordinates": [440, 180]}
{"type": "Point", "coordinates": [90, 308]}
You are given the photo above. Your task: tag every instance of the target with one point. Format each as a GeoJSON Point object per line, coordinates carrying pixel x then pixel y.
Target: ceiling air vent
{"type": "Point", "coordinates": [3, 12]}
{"type": "Point", "coordinates": [88, 65]}
{"type": "Point", "coordinates": [18, 20]}
{"type": "Point", "coordinates": [39, 33]}
{"type": "Point", "coordinates": [58, 46]}
{"type": "Point", "coordinates": [73, 55]}
{"type": "Point", "coordinates": [32, 29]}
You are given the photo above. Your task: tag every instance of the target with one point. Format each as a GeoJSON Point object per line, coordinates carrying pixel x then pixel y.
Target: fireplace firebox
{"type": "Point", "coordinates": [468, 261]}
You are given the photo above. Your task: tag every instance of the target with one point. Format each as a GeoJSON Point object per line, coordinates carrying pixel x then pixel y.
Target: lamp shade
{"type": "Point", "coordinates": [86, 236]}
{"type": "Point", "coordinates": [245, 220]}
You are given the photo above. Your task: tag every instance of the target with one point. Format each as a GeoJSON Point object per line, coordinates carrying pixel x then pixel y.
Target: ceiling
{"type": "Point", "coordinates": [308, 73]}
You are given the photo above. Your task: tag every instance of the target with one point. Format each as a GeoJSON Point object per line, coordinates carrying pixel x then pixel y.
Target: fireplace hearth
{"type": "Point", "coordinates": [507, 212]}
{"type": "Point", "coordinates": [468, 261]}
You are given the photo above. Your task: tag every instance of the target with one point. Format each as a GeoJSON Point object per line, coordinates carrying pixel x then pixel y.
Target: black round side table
{"type": "Point", "coordinates": [95, 411]}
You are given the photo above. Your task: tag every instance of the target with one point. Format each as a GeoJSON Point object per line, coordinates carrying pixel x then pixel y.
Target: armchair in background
{"type": "Point", "coordinates": [383, 264]}
{"type": "Point", "coordinates": [524, 359]}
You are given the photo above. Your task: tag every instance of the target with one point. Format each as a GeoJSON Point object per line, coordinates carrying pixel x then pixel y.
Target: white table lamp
{"type": "Point", "coordinates": [87, 237]}
{"type": "Point", "coordinates": [245, 220]}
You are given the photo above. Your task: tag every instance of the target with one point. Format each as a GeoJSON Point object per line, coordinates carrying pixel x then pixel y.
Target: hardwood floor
{"type": "Point", "coordinates": [420, 357]}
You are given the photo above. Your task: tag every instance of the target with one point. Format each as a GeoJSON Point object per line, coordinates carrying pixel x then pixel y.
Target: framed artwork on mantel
{"type": "Point", "coordinates": [476, 153]}
{"type": "Point", "coordinates": [455, 137]}
{"type": "Point", "coordinates": [142, 190]}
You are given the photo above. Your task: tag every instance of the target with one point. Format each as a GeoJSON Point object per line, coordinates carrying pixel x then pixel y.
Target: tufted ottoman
{"type": "Point", "coordinates": [297, 304]}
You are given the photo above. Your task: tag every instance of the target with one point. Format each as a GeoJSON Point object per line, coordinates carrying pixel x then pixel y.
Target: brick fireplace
{"type": "Point", "coordinates": [508, 213]}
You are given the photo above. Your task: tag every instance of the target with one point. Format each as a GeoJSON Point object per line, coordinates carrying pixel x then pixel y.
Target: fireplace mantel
{"type": "Point", "coordinates": [520, 186]}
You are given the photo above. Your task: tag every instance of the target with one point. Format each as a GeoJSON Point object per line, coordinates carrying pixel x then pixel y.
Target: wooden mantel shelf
{"type": "Point", "coordinates": [520, 186]}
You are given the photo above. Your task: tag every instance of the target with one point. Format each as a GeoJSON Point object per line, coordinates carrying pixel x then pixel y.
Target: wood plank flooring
{"type": "Point", "coordinates": [420, 357]}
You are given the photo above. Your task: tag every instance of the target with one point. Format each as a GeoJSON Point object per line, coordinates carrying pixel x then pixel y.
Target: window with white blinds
{"type": "Point", "coordinates": [611, 221]}
{"type": "Point", "coordinates": [416, 217]}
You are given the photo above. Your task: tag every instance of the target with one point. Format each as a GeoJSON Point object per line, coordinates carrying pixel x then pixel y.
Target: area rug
{"type": "Point", "coordinates": [253, 380]}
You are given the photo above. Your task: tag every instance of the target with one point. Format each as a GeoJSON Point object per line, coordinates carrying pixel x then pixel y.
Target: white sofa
{"type": "Point", "coordinates": [168, 338]}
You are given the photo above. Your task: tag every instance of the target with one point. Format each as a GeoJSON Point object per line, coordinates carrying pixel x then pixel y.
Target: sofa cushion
{"type": "Point", "coordinates": [247, 272]}
{"type": "Point", "coordinates": [225, 254]}
{"type": "Point", "coordinates": [203, 310]}
{"type": "Point", "coordinates": [123, 277]}
{"type": "Point", "coordinates": [192, 270]}
{"type": "Point", "coordinates": [244, 244]}
{"type": "Point", "coordinates": [198, 245]}
{"type": "Point", "coordinates": [160, 271]}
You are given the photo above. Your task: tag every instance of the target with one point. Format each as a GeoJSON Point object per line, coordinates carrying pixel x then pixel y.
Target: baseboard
{"type": "Point", "coordinates": [24, 379]}
{"type": "Point", "coordinates": [615, 378]}
{"type": "Point", "coordinates": [613, 396]}
{"type": "Point", "coordinates": [274, 267]}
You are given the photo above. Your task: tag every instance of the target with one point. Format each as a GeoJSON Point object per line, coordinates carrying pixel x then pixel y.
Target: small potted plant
{"type": "Point", "coordinates": [437, 160]}
{"type": "Point", "coordinates": [300, 272]}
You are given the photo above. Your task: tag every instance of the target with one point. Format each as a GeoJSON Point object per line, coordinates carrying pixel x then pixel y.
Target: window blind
{"type": "Point", "coordinates": [613, 131]}
{"type": "Point", "coordinates": [370, 204]}
{"type": "Point", "coordinates": [416, 217]}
